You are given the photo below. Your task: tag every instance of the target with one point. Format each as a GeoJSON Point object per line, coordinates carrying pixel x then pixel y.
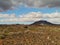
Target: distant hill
{"type": "Point", "coordinates": [42, 22]}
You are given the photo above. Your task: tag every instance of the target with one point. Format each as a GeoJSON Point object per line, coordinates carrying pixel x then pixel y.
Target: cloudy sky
{"type": "Point", "coordinates": [29, 11]}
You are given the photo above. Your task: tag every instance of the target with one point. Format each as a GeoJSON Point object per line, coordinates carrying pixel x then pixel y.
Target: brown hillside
{"type": "Point", "coordinates": [29, 35]}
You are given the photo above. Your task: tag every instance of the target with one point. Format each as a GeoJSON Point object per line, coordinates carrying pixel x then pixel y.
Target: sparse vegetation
{"type": "Point", "coordinates": [30, 35]}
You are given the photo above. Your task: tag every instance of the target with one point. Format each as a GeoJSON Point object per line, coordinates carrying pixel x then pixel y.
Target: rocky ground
{"type": "Point", "coordinates": [29, 35]}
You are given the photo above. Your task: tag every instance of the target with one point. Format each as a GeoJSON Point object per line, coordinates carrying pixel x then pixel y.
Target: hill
{"type": "Point", "coordinates": [42, 22]}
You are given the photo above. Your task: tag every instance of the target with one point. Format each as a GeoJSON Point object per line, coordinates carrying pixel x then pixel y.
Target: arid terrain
{"type": "Point", "coordinates": [29, 34]}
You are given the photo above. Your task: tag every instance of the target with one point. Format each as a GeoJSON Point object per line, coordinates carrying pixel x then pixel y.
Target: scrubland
{"type": "Point", "coordinates": [29, 35]}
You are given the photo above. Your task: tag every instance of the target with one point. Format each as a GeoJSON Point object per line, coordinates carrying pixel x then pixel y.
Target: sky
{"type": "Point", "coordinates": [29, 11]}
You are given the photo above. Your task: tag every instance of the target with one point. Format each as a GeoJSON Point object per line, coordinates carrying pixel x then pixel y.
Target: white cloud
{"type": "Point", "coordinates": [10, 4]}
{"type": "Point", "coordinates": [31, 17]}
{"type": "Point", "coordinates": [7, 16]}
